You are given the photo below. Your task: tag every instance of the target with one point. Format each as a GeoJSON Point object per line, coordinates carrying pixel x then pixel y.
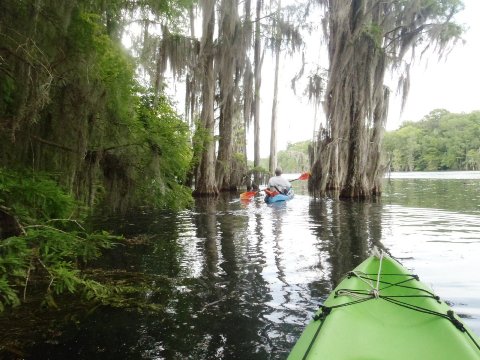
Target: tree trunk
{"type": "Point", "coordinates": [9, 224]}
{"type": "Point", "coordinates": [348, 151]}
{"type": "Point", "coordinates": [272, 164]}
{"type": "Point", "coordinates": [227, 68]}
{"type": "Point", "coordinates": [365, 37]}
{"type": "Point", "coordinates": [205, 184]}
{"type": "Point", "coordinates": [258, 59]}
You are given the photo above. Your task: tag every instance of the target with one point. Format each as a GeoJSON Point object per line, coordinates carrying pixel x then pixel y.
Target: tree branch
{"type": "Point", "coordinates": [66, 148]}
{"type": "Point", "coordinates": [51, 143]}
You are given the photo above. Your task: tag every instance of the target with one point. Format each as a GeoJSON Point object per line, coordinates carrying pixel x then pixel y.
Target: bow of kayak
{"type": "Point", "coordinates": [381, 311]}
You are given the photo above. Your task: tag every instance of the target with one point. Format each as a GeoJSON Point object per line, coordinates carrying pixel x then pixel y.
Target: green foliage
{"type": "Point", "coordinates": [13, 270]}
{"type": "Point", "coordinates": [50, 249]}
{"type": "Point", "coordinates": [440, 141]}
{"type": "Point", "coordinates": [259, 169]}
{"type": "Point", "coordinates": [102, 69]}
{"type": "Point", "coordinates": [173, 10]}
{"type": "Point", "coordinates": [166, 152]}
{"type": "Point", "coordinates": [200, 138]}
{"type": "Point", "coordinates": [34, 196]}
{"type": "Point", "coordinates": [152, 167]}
{"type": "Point", "coordinates": [374, 32]}
{"type": "Point", "coordinates": [93, 127]}
{"type": "Point", "coordinates": [292, 160]}
{"type": "Point", "coordinates": [295, 158]}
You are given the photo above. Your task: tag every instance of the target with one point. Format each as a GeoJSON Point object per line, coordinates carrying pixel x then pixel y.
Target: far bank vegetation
{"type": "Point", "coordinates": [440, 141]}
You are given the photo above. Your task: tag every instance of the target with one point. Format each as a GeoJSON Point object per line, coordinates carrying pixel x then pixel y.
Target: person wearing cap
{"type": "Point", "coordinates": [278, 183]}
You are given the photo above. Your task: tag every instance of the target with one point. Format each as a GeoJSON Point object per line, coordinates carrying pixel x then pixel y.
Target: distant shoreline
{"type": "Point", "coordinates": [446, 174]}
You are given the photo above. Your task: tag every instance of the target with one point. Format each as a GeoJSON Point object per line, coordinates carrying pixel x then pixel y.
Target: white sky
{"type": "Point", "coordinates": [449, 84]}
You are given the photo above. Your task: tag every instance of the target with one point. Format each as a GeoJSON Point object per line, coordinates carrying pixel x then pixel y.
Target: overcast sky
{"type": "Point", "coordinates": [450, 84]}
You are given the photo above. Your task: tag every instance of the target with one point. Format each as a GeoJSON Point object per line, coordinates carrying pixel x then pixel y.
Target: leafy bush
{"type": "Point", "coordinates": [51, 245]}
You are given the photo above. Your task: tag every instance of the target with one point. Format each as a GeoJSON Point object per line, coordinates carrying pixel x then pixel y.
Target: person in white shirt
{"type": "Point", "coordinates": [278, 183]}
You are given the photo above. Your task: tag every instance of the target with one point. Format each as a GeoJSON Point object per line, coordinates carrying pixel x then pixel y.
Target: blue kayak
{"type": "Point", "coordinates": [269, 199]}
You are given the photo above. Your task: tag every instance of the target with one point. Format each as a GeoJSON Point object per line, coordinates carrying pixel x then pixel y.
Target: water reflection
{"type": "Point", "coordinates": [347, 231]}
{"type": "Point", "coordinates": [443, 247]}
{"type": "Point", "coordinates": [239, 280]}
{"type": "Point", "coordinates": [205, 221]}
{"type": "Point", "coordinates": [449, 194]}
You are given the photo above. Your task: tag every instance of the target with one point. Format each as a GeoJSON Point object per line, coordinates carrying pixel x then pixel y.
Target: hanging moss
{"type": "Point", "coordinates": [365, 39]}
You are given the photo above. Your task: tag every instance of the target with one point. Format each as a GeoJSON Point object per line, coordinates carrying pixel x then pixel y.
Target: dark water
{"type": "Point", "coordinates": [245, 278]}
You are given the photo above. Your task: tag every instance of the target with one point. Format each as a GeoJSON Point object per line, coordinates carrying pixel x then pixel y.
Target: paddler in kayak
{"type": "Point", "coordinates": [279, 184]}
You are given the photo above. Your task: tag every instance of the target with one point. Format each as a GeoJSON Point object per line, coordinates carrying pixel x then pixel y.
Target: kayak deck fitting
{"type": "Point", "coordinates": [381, 311]}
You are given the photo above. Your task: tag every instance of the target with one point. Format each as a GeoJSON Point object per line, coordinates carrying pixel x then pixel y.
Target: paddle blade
{"type": "Point", "coordinates": [304, 176]}
{"type": "Point", "coordinates": [247, 195]}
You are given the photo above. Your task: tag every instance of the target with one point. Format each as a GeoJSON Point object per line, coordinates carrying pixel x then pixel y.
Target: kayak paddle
{"type": "Point", "coordinates": [248, 195]}
{"type": "Point", "coordinates": [304, 176]}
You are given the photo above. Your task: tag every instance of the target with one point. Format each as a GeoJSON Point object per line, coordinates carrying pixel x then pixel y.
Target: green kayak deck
{"type": "Point", "coordinates": [388, 316]}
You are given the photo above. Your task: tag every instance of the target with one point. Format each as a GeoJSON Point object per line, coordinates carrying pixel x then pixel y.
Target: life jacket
{"type": "Point", "coordinates": [271, 193]}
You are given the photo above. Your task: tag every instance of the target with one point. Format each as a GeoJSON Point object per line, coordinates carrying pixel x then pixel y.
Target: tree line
{"type": "Point", "coordinates": [294, 159]}
{"type": "Point", "coordinates": [440, 141]}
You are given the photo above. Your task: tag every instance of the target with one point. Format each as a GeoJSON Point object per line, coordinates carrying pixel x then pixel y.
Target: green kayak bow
{"type": "Point", "coordinates": [381, 311]}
